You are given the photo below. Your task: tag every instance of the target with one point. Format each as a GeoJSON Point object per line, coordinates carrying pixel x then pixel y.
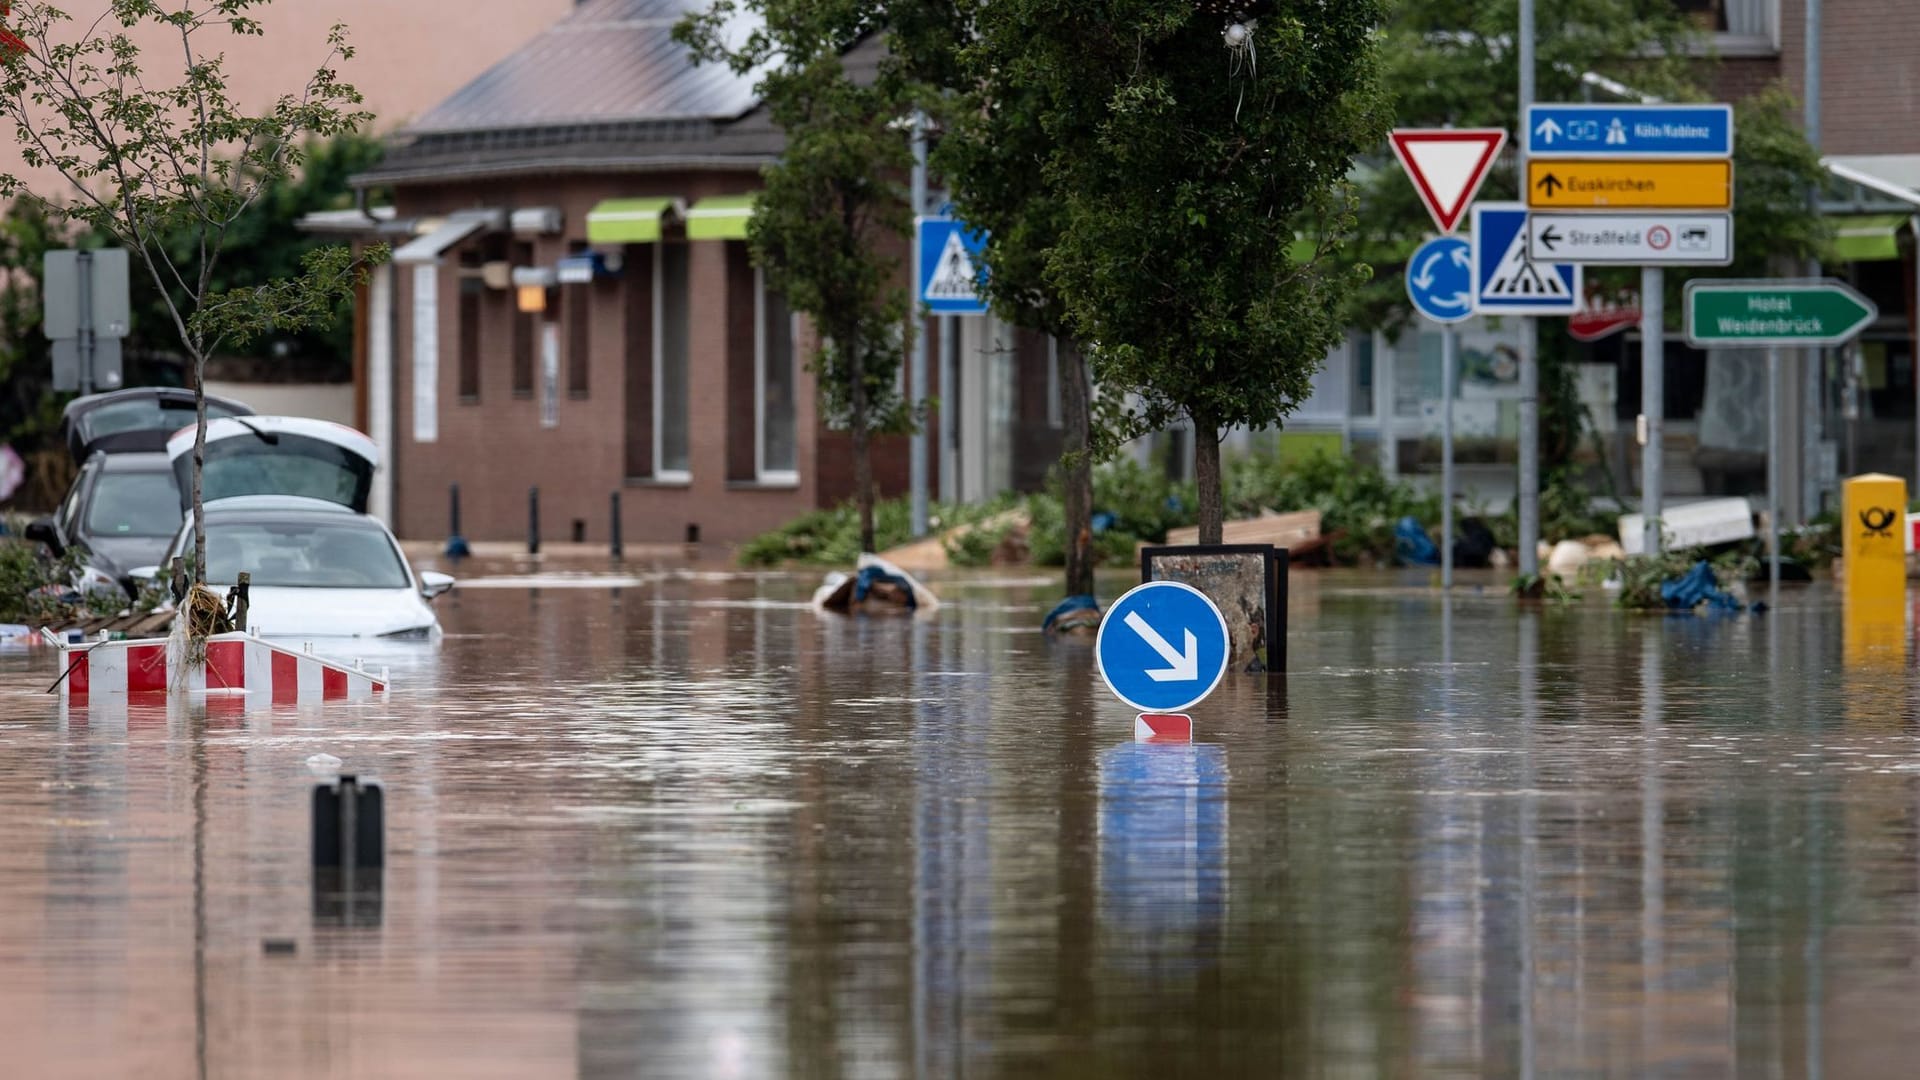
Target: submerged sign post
{"type": "Point", "coordinates": [1732, 314]}
{"type": "Point", "coordinates": [1639, 185]}
{"type": "Point", "coordinates": [951, 258]}
{"type": "Point", "coordinates": [1641, 239]}
{"type": "Point", "coordinates": [1735, 314]}
{"type": "Point", "coordinates": [1447, 167]}
{"type": "Point", "coordinates": [1162, 648]}
{"type": "Point", "coordinates": [1571, 130]}
{"type": "Point", "coordinates": [1506, 279]}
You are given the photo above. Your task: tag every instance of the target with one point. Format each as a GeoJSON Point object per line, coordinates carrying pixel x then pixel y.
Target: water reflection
{"type": "Point", "coordinates": [689, 828]}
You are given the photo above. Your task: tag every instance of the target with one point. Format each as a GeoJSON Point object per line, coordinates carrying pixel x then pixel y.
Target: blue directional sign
{"type": "Point", "coordinates": [1440, 279]}
{"type": "Point", "coordinates": [1506, 280]}
{"type": "Point", "coordinates": [1162, 647]}
{"type": "Point", "coordinates": [1663, 131]}
{"type": "Point", "coordinates": [952, 265]}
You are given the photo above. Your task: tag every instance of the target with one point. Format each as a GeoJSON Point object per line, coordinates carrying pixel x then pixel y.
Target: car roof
{"type": "Point", "coordinates": [292, 504]}
{"type": "Point", "coordinates": [339, 435]}
{"type": "Point", "coordinates": [78, 419]}
{"type": "Point", "coordinates": [144, 461]}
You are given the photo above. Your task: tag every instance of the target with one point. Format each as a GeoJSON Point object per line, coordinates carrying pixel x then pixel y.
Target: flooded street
{"type": "Point", "coordinates": [689, 828]}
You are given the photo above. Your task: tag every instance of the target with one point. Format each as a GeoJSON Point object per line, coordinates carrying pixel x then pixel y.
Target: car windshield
{"type": "Point", "coordinates": [133, 504]}
{"type": "Point", "coordinates": [347, 554]}
{"type": "Point", "coordinates": [291, 465]}
{"type": "Point", "coordinates": [145, 414]}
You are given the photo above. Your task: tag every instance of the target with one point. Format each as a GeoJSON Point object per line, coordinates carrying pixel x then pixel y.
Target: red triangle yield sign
{"type": "Point", "coordinates": [1447, 166]}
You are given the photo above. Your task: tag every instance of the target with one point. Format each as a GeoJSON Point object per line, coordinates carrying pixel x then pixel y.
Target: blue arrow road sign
{"type": "Point", "coordinates": [951, 266]}
{"type": "Point", "coordinates": [1162, 647]}
{"type": "Point", "coordinates": [1506, 280]}
{"type": "Point", "coordinates": [1440, 279]}
{"type": "Point", "coordinates": [1666, 131]}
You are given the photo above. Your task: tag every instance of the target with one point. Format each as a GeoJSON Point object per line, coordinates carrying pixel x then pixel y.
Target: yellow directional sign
{"type": "Point", "coordinates": [1663, 185]}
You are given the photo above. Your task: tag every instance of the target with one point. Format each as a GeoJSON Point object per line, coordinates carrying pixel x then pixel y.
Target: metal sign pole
{"type": "Point", "coordinates": [85, 294]}
{"type": "Point", "coordinates": [917, 381]}
{"type": "Point", "coordinates": [1652, 399]}
{"type": "Point", "coordinates": [1773, 471]}
{"type": "Point", "coordinates": [1446, 451]}
{"type": "Point", "coordinates": [1529, 358]}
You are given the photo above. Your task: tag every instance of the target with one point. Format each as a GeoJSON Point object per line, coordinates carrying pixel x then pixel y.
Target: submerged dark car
{"type": "Point", "coordinates": [124, 506]}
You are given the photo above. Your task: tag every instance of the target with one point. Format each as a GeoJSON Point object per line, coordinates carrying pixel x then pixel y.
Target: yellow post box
{"type": "Point", "coordinates": [1872, 517]}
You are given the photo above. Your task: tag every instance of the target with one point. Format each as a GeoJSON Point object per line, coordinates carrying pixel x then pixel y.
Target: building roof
{"type": "Point", "coordinates": [607, 61]}
{"type": "Point", "coordinates": [605, 88]}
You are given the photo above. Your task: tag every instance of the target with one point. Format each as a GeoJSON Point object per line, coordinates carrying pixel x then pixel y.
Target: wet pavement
{"type": "Point", "coordinates": [688, 828]}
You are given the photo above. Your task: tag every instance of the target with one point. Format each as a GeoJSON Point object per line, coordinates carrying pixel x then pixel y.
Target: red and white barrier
{"type": "Point", "coordinates": [237, 664]}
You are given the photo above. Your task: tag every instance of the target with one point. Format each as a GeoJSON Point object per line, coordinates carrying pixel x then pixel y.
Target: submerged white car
{"type": "Point", "coordinates": [317, 569]}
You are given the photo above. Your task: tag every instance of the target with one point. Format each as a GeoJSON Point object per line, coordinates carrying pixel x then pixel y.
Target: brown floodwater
{"type": "Point", "coordinates": [689, 828]}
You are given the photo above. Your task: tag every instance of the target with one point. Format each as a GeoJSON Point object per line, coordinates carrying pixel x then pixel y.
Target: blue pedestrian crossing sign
{"type": "Point", "coordinates": [1162, 647]}
{"type": "Point", "coordinates": [1440, 279]}
{"type": "Point", "coordinates": [1506, 280]}
{"type": "Point", "coordinates": [952, 266]}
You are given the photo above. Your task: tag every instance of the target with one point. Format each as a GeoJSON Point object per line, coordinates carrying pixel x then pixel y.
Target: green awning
{"type": "Point", "coordinates": [720, 217]}
{"type": "Point", "coordinates": [627, 221]}
{"type": "Point", "coordinates": [1867, 237]}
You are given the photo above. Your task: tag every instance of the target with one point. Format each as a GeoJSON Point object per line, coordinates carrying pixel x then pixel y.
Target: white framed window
{"type": "Point", "coordinates": [775, 387]}
{"type": "Point", "coordinates": [1736, 27]}
{"type": "Point", "coordinates": [671, 299]}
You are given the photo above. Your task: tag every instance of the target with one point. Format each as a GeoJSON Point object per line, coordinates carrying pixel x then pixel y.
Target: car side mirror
{"type": "Point", "coordinates": [41, 531]}
{"type": "Point", "coordinates": [433, 583]}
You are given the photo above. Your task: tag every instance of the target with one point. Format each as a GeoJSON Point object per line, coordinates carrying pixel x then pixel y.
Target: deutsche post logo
{"type": "Point", "coordinates": [1878, 521]}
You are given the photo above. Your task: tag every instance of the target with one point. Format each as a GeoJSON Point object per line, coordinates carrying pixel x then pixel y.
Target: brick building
{"type": "Point", "coordinates": [572, 307]}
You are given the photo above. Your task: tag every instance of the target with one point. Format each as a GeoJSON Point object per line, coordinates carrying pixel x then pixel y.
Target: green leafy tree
{"type": "Point", "coordinates": [153, 148]}
{"type": "Point", "coordinates": [988, 153]}
{"type": "Point", "coordinates": [27, 413]}
{"type": "Point", "coordinates": [1183, 168]}
{"type": "Point", "coordinates": [266, 245]}
{"type": "Point", "coordinates": [832, 212]}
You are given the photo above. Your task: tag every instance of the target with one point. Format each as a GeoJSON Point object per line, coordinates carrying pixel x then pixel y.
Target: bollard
{"type": "Point", "coordinates": [619, 549]}
{"type": "Point", "coordinates": [533, 521]}
{"type": "Point", "coordinates": [349, 851]}
{"type": "Point", "coordinates": [456, 543]}
{"type": "Point", "coordinates": [349, 824]}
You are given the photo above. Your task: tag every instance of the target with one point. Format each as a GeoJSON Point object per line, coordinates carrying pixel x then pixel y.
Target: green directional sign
{"type": "Point", "coordinates": [1816, 311]}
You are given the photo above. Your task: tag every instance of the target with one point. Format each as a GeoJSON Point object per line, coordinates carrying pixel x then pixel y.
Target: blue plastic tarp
{"type": "Point", "coordinates": [1695, 587]}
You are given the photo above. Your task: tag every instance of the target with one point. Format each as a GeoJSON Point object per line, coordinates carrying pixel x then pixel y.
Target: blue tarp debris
{"type": "Point", "coordinates": [1073, 613]}
{"type": "Point", "coordinates": [1699, 584]}
{"type": "Point", "coordinates": [1412, 544]}
{"type": "Point", "coordinates": [873, 575]}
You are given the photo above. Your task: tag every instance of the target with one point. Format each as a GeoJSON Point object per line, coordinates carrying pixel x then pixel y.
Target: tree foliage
{"type": "Point", "coordinates": [988, 153]}
{"type": "Point", "coordinates": [153, 149]}
{"type": "Point", "coordinates": [832, 217]}
{"type": "Point", "coordinates": [266, 246]}
{"type": "Point", "coordinates": [1183, 171]}
{"type": "Point", "coordinates": [26, 366]}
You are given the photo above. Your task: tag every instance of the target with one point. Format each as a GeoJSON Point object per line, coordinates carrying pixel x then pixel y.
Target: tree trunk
{"type": "Point", "coordinates": [862, 447]}
{"type": "Point", "coordinates": [1076, 400]}
{"type": "Point", "coordinates": [1206, 470]}
{"type": "Point", "coordinates": [198, 572]}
